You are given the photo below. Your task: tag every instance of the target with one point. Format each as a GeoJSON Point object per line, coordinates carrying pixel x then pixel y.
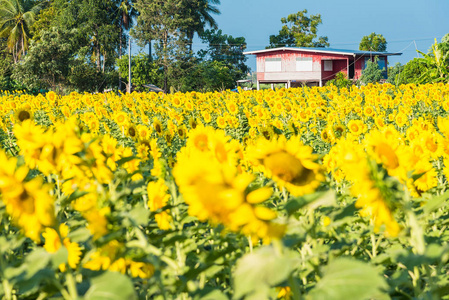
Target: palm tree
{"type": "Point", "coordinates": [16, 18]}
{"type": "Point", "coordinates": [202, 11]}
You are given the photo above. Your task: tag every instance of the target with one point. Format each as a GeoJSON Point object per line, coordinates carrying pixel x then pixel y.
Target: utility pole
{"type": "Point", "coordinates": [129, 66]}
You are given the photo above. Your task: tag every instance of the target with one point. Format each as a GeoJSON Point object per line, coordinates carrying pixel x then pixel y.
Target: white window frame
{"type": "Point", "coordinates": [328, 65]}
{"type": "Point", "coordinates": [273, 64]}
{"type": "Point", "coordinates": [304, 64]}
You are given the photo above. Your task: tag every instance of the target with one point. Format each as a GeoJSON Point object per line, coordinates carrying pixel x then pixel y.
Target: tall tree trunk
{"type": "Point", "coordinates": [120, 56]}
{"type": "Point", "coordinates": [97, 51]}
{"type": "Point", "coordinates": [165, 43]}
{"type": "Point", "coordinates": [23, 46]}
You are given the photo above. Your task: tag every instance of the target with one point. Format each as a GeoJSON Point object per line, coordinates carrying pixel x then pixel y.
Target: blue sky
{"type": "Point", "coordinates": [345, 22]}
{"type": "Point", "coordinates": [404, 23]}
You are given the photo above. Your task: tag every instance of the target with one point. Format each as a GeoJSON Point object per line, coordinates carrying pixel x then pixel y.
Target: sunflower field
{"type": "Point", "coordinates": [305, 193]}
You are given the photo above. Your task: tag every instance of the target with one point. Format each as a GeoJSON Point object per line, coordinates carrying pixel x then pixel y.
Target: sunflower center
{"type": "Point", "coordinates": [266, 134]}
{"type": "Point", "coordinates": [201, 142]}
{"type": "Point", "coordinates": [132, 132]}
{"type": "Point", "coordinates": [158, 128]}
{"type": "Point", "coordinates": [24, 115]}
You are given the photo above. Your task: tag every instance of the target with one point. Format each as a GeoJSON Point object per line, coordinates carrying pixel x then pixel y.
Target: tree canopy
{"type": "Point", "coordinates": [299, 30]}
{"type": "Point", "coordinates": [373, 42]}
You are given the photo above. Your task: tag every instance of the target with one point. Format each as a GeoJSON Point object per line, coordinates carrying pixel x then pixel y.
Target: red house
{"type": "Point", "coordinates": [312, 66]}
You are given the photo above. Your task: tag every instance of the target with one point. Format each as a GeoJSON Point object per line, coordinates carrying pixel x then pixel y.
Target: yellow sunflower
{"type": "Point", "coordinates": [288, 162]}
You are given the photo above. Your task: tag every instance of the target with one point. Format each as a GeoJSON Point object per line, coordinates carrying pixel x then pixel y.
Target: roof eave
{"type": "Point", "coordinates": [317, 51]}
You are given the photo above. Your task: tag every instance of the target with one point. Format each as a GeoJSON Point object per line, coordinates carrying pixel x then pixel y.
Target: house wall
{"type": "Point", "coordinates": [288, 67]}
{"type": "Point", "coordinates": [339, 65]}
{"type": "Point", "coordinates": [360, 64]}
{"type": "Point", "coordinates": [358, 67]}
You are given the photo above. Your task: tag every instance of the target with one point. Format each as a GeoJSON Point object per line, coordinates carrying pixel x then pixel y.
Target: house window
{"type": "Point", "coordinates": [328, 65]}
{"type": "Point", "coordinates": [273, 64]}
{"type": "Point", "coordinates": [304, 64]}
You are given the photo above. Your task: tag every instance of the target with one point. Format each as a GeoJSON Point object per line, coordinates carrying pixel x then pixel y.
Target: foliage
{"type": "Point", "coordinates": [437, 67]}
{"type": "Point", "coordinates": [95, 23]}
{"type": "Point", "coordinates": [372, 72]}
{"type": "Point", "coordinates": [299, 30]}
{"type": "Point", "coordinates": [396, 74]}
{"type": "Point", "coordinates": [47, 64]}
{"type": "Point", "coordinates": [201, 15]}
{"type": "Point", "coordinates": [163, 22]}
{"type": "Point", "coordinates": [143, 71]}
{"type": "Point", "coordinates": [51, 64]}
{"type": "Point", "coordinates": [209, 76]}
{"type": "Point", "coordinates": [373, 42]}
{"type": "Point", "coordinates": [227, 49]}
{"type": "Point", "coordinates": [413, 71]}
{"type": "Point", "coordinates": [340, 81]}
{"type": "Point", "coordinates": [16, 19]}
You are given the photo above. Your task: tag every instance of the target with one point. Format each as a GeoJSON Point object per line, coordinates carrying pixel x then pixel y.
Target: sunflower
{"type": "Point", "coordinates": [266, 131]}
{"type": "Point", "coordinates": [131, 131]}
{"type": "Point", "coordinates": [143, 132]}
{"type": "Point", "coordinates": [401, 119]}
{"type": "Point", "coordinates": [384, 149]}
{"type": "Point", "coordinates": [356, 127]}
{"type": "Point", "coordinates": [23, 113]}
{"type": "Point", "coordinates": [158, 197]}
{"type": "Point", "coordinates": [221, 122]}
{"type": "Point", "coordinates": [368, 111]}
{"type": "Point", "coordinates": [339, 130]}
{"type": "Point", "coordinates": [206, 116]}
{"type": "Point", "coordinates": [288, 162]}
{"type": "Point", "coordinates": [121, 118]}
{"type": "Point", "coordinates": [193, 123]}
{"type": "Point", "coordinates": [157, 125]}
{"type": "Point", "coordinates": [182, 131]}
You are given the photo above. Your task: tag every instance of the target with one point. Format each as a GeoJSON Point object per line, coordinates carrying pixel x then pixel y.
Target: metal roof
{"type": "Point", "coordinates": [324, 50]}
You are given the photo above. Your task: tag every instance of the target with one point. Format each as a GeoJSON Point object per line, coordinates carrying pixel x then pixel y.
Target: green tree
{"type": "Point", "coordinates": [163, 22]}
{"type": "Point", "coordinates": [201, 12]}
{"type": "Point", "coordinates": [48, 62]}
{"type": "Point", "coordinates": [412, 71]}
{"type": "Point", "coordinates": [396, 74]}
{"type": "Point", "coordinates": [299, 30]}
{"type": "Point", "coordinates": [96, 23]}
{"type": "Point", "coordinates": [373, 42]}
{"type": "Point", "coordinates": [209, 76]}
{"type": "Point", "coordinates": [372, 72]}
{"type": "Point", "coordinates": [143, 71]}
{"type": "Point", "coordinates": [437, 67]}
{"type": "Point", "coordinates": [6, 68]}
{"type": "Point", "coordinates": [16, 18]}
{"type": "Point", "coordinates": [227, 49]}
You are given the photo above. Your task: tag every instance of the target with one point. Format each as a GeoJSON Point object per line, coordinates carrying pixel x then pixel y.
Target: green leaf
{"type": "Point", "coordinates": [125, 160]}
{"type": "Point", "coordinates": [37, 260]}
{"type": "Point", "coordinates": [112, 286]}
{"type": "Point", "coordinates": [80, 235]}
{"type": "Point", "coordinates": [210, 294]}
{"type": "Point", "coordinates": [435, 203]}
{"type": "Point", "coordinates": [257, 272]}
{"type": "Point", "coordinates": [311, 201]}
{"type": "Point", "coordinates": [346, 278]}
{"type": "Point", "coordinates": [140, 215]}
